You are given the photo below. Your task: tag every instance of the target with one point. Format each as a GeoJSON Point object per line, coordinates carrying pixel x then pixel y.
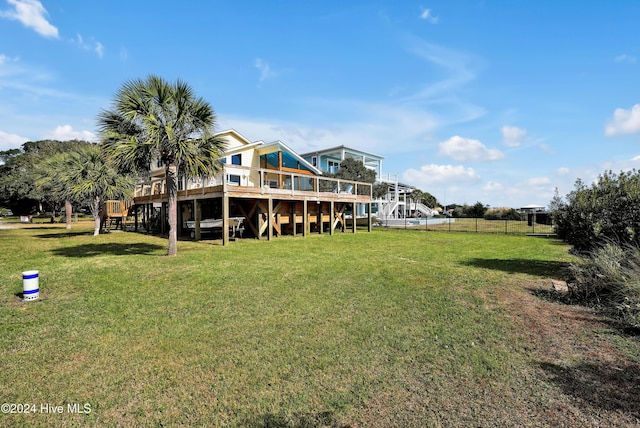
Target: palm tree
{"type": "Point", "coordinates": [153, 119]}
{"type": "Point", "coordinates": [83, 175]}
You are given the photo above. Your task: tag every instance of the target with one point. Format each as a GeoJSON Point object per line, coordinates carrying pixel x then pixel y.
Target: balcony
{"type": "Point", "coordinates": [237, 181]}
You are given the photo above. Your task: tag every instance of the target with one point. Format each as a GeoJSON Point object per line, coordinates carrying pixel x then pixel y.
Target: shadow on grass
{"type": "Point", "coordinates": [64, 234]}
{"type": "Point", "coordinates": [297, 420]}
{"type": "Point", "coordinates": [91, 250]}
{"type": "Point", "coordinates": [613, 387]}
{"type": "Point", "coordinates": [544, 268]}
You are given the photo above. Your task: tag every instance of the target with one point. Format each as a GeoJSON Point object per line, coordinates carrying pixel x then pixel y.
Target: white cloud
{"type": "Point", "coordinates": [563, 171]}
{"type": "Point", "coordinates": [547, 149]}
{"type": "Point", "coordinates": [265, 70]}
{"type": "Point", "coordinates": [624, 122]}
{"type": "Point", "coordinates": [466, 149]}
{"type": "Point", "coordinates": [33, 15]}
{"type": "Point", "coordinates": [373, 127]}
{"type": "Point", "coordinates": [427, 15]}
{"type": "Point", "coordinates": [99, 49]}
{"type": "Point", "coordinates": [493, 186]}
{"type": "Point", "coordinates": [66, 132]}
{"type": "Point", "coordinates": [459, 67]}
{"type": "Point", "coordinates": [90, 45]}
{"type": "Point", "coordinates": [625, 58]}
{"type": "Point", "coordinates": [538, 181]}
{"type": "Point", "coordinates": [11, 141]}
{"type": "Point", "coordinates": [513, 136]}
{"type": "Point", "coordinates": [432, 174]}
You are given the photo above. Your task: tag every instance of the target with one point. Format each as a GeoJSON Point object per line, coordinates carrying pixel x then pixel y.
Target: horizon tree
{"type": "Point", "coordinates": [19, 173]}
{"type": "Point", "coordinates": [84, 176]}
{"type": "Point", "coordinates": [154, 119]}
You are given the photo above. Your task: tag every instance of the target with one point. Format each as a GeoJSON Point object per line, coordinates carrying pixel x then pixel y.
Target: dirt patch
{"type": "Point", "coordinates": [588, 381]}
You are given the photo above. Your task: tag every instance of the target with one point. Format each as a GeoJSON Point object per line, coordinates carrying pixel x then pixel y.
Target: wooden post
{"type": "Point", "coordinates": [319, 220]}
{"type": "Point", "coordinates": [293, 217]}
{"type": "Point", "coordinates": [197, 217]}
{"type": "Point", "coordinates": [163, 215]}
{"type": "Point", "coordinates": [332, 213]}
{"type": "Point", "coordinates": [353, 217]}
{"type": "Point", "coordinates": [225, 218]}
{"type": "Point", "coordinates": [259, 221]}
{"type": "Point", "coordinates": [369, 217]}
{"type": "Point", "coordinates": [179, 220]}
{"type": "Point", "coordinates": [269, 217]}
{"type": "Point", "coordinates": [305, 220]}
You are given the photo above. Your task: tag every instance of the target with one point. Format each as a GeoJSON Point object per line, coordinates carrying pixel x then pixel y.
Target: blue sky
{"type": "Point", "coordinates": [491, 101]}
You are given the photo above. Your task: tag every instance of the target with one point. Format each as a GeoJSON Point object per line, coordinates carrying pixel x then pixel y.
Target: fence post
{"type": "Point", "coordinates": [476, 224]}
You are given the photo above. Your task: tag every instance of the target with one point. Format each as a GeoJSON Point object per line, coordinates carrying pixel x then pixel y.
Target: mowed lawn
{"type": "Point", "coordinates": [389, 328]}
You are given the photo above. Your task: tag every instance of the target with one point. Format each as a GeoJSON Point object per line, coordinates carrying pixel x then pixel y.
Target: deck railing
{"type": "Point", "coordinates": [264, 179]}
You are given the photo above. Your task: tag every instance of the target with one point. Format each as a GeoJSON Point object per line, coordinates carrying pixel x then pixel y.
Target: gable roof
{"type": "Point", "coordinates": [279, 146]}
{"type": "Point", "coordinates": [263, 148]}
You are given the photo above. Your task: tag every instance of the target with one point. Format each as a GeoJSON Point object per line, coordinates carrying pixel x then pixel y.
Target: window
{"type": "Point", "coordinates": [236, 159]}
{"type": "Point", "coordinates": [333, 166]}
{"type": "Point", "coordinates": [314, 160]}
{"type": "Point", "coordinates": [233, 179]}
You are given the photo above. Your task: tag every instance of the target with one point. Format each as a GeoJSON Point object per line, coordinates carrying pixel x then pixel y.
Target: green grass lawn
{"type": "Point", "coordinates": [389, 328]}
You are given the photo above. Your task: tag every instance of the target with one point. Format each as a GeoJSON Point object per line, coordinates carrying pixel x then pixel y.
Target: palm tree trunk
{"type": "Point", "coordinates": [172, 195]}
{"type": "Point", "coordinates": [95, 210]}
{"type": "Point", "coordinates": [67, 212]}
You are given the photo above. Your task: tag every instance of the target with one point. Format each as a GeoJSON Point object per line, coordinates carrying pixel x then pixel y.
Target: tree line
{"type": "Point", "coordinates": [150, 119]}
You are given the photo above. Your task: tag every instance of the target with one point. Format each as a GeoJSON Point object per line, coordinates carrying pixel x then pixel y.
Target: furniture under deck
{"type": "Point", "coordinates": [287, 203]}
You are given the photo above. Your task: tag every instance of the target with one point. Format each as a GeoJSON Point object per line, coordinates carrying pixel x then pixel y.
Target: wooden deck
{"type": "Point", "coordinates": [286, 203]}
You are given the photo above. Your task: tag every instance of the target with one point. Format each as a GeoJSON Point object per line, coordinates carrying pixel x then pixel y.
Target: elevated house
{"type": "Point", "coordinates": [396, 204]}
{"type": "Point", "coordinates": [328, 160]}
{"type": "Point", "coordinates": [263, 190]}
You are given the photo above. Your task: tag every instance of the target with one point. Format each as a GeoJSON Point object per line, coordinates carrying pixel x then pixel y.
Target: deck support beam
{"type": "Point", "coordinates": [163, 218]}
{"type": "Point", "coordinates": [305, 218]}
{"type": "Point", "coordinates": [197, 217]}
{"type": "Point", "coordinates": [353, 217]}
{"type": "Point", "coordinates": [225, 218]}
{"type": "Point", "coordinates": [293, 218]}
{"type": "Point", "coordinates": [332, 223]}
{"type": "Point", "coordinates": [269, 217]}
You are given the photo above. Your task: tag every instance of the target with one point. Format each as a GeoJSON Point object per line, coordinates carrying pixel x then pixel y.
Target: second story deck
{"type": "Point", "coordinates": [237, 181]}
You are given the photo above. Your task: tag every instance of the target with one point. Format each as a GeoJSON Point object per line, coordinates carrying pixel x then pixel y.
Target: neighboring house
{"type": "Point", "coordinates": [267, 186]}
{"type": "Point", "coordinates": [395, 204]}
{"type": "Point", "coordinates": [328, 160]}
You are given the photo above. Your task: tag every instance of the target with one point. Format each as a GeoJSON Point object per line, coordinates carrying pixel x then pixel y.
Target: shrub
{"type": "Point", "coordinates": [609, 276]}
{"type": "Point", "coordinates": [502, 214]}
{"type": "Point", "coordinates": [606, 211]}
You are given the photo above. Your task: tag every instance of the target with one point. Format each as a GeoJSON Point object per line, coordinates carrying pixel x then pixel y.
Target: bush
{"type": "Point", "coordinates": [606, 211]}
{"type": "Point", "coordinates": [609, 277]}
{"type": "Point", "coordinates": [502, 214]}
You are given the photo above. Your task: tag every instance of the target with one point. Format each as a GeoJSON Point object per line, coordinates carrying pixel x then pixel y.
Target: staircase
{"type": "Point", "coordinates": [425, 209]}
